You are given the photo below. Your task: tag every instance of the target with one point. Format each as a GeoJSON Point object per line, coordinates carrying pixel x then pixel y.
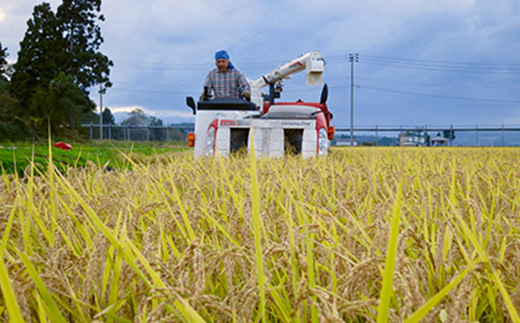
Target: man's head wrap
{"type": "Point", "coordinates": [222, 54]}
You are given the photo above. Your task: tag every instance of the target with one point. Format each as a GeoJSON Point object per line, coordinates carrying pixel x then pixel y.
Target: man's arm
{"type": "Point", "coordinates": [244, 87]}
{"type": "Point", "coordinates": [243, 84]}
{"type": "Point", "coordinates": [208, 83]}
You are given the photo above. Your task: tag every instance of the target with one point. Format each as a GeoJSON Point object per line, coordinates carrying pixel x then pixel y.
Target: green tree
{"type": "Point", "coordinates": [66, 42]}
{"type": "Point", "coordinates": [137, 117]}
{"type": "Point", "coordinates": [78, 25]}
{"type": "Point", "coordinates": [157, 133]}
{"type": "Point", "coordinates": [8, 104]}
{"type": "Point", "coordinates": [109, 120]}
{"type": "Point", "coordinates": [61, 103]}
{"type": "Point", "coordinates": [39, 56]}
{"type": "Point", "coordinates": [449, 134]}
{"type": "Point", "coordinates": [11, 126]}
{"type": "Point", "coordinates": [108, 117]}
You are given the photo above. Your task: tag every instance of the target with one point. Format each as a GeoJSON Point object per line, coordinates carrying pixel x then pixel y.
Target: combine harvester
{"type": "Point", "coordinates": [224, 125]}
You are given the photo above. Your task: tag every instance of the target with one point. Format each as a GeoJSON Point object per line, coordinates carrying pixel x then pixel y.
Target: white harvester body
{"type": "Point", "coordinates": [228, 125]}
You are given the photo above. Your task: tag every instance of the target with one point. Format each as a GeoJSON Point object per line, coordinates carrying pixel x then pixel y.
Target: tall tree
{"type": "Point", "coordinates": [66, 42]}
{"type": "Point", "coordinates": [39, 56]}
{"type": "Point", "coordinates": [78, 24]}
{"type": "Point", "coordinates": [108, 117]}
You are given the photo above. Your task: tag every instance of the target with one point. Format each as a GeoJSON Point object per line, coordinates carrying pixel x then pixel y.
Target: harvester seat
{"type": "Point", "coordinates": [226, 104]}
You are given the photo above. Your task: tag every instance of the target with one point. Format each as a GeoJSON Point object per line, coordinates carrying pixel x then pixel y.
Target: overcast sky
{"type": "Point", "coordinates": [443, 62]}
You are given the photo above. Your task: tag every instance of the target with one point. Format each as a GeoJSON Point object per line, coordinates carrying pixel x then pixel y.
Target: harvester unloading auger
{"type": "Point", "coordinates": [223, 125]}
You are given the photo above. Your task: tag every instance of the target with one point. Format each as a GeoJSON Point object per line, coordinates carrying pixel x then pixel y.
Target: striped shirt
{"type": "Point", "coordinates": [229, 84]}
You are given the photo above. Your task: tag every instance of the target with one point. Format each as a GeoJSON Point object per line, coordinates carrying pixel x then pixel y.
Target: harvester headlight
{"type": "Point", "coordinates": [210, 141]}
{"type": "Point", "coordinates": [323, 142]}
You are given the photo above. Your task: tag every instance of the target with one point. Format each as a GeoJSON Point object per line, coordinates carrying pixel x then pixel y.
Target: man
{"type": "Point", "coordinates": [225, 80]}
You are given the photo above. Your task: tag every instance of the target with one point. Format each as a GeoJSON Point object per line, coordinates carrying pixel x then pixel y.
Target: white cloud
{"type": "Point", "coordinates": [126, 109]}
{"type": "Point", "coordinates": [168, 116]}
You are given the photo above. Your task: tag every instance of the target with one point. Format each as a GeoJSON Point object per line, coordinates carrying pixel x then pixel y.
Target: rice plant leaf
{"type": "Point", "coordinates": [257, 226]}
{"type": "Point", "coordinates": [184, 214]}
{"type": "Point", "coordinates": [428, 306]}
{"type": "Point", "coordinates": [8, 294]}
{"type": "Point", "coordinates": [7, 230]}
{"type": "Point", "coordinates": [191, 314]}
{"type": "Point", "coordinates": [54, 311]}
{"type": "Point", "coordinates": [388, 274]}
{"type": "Point", "coordinates": [5, 283]}
{"type": "Point", "coordinates": [485, 259]}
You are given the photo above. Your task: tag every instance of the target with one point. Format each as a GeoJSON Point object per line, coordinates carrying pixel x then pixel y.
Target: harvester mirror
{"type": "Point", "coordinates": [191, 103]}
{"type": "Point", "coordinates": [324, 94]}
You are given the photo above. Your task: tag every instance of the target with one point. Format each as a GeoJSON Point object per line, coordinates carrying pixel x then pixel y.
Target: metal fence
{"type": "Point", "coordinates": [138, 133]}
{"type": "Point", "coordinates": [478, 135]}
{"type": "Point", "coordinates": [501, 135]}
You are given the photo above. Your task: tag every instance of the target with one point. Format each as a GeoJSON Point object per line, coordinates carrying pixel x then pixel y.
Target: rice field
{"type": "Point", "coordinates": [365, 235]}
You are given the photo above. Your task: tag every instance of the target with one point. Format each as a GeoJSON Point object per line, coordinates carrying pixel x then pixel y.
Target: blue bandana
{"type": "Point", "coordinates": [221, 55]}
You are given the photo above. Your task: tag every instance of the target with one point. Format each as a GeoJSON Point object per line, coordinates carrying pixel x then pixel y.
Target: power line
{"type": "Point", "coordinates": [466, 64]}
{"type": "Point", "coordinates": [453, 69]}
{"type": "Point", "coordinates": [150, 91]}
{"type": "Point", "coordinates": [431, 65]}
{"type": "Point", "coordinates": [438, 96]}
{"type": "Point", "coordinates": [344, 58]}
{"type": "Point", "coordinates": [472, 68]}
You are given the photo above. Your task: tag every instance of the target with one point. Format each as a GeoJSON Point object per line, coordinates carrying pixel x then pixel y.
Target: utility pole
{"type": "Point", "coordinates": [102, 91]}
{"type": "Point", "coordinates": [352, 58]}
